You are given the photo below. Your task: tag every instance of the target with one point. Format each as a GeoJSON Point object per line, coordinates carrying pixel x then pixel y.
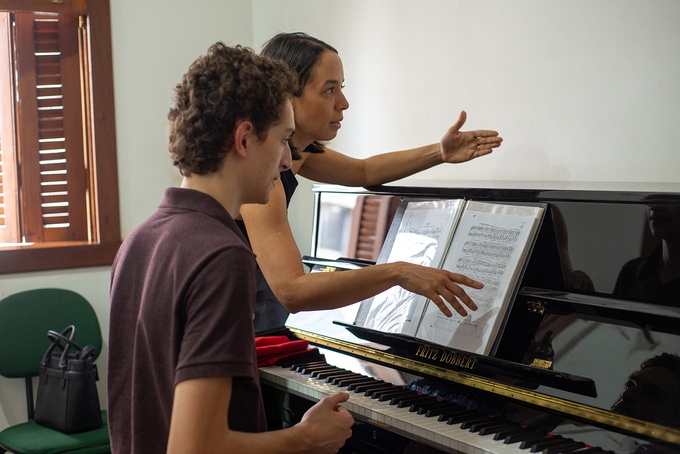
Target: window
{"type": "Point", "coordinates": [58, 176]}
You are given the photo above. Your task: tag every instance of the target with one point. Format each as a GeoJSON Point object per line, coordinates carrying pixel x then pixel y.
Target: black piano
{"type": "Point", "coordinates": [588, 359]}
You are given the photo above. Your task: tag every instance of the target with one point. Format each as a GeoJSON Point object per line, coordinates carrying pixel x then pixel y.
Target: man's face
{"type": "Point", "coordinates": [272, 156]}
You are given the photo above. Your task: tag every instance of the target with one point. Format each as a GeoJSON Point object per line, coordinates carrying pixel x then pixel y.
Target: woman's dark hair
{"type": "Point", "coordinates": [221, 88]}
{"type": "Point", "coordinates": [302, 53]}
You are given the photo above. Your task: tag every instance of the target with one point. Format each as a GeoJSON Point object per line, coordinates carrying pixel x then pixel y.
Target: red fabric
{"type": "Point", "coordinates": [270, 340]}
{"type": "Point", "coordinates": [270, 349]}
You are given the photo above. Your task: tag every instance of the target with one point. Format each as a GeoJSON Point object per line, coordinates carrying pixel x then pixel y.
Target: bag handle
{"type": "Point", "coordinates": [58, 339]}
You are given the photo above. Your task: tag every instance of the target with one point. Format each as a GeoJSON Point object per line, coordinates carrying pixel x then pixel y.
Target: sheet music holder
{"type": "Point", "coordinates": [323, 321]}
{"type": "Point", "coordinates": [486, 241]}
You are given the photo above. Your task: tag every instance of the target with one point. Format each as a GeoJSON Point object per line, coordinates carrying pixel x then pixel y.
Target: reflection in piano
{"type": "Point", "coordinates": [586, 362]}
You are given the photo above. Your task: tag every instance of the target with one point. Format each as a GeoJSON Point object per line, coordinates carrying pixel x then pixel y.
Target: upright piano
{"type": "Point", "coordinates": [587, 360]}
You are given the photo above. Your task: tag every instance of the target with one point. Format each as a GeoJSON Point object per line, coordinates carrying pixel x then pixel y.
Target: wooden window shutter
{"type": "Point", "coordinates": [82, 227]}
{"type": "Point", "coordinates": [52, 158]}
{"type": "Point", "coordinates": [9, 226]}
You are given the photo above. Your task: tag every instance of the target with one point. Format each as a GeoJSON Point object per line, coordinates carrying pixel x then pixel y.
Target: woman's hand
{"type": "Point", "coordinates": [457, 146]}
{"type": "Point", "coordinates": [441, 286]}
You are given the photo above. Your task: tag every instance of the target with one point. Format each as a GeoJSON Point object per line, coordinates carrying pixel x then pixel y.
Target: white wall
{"type": "Point", "coordinates": [579, 90]}
{"type": "Point", "coordinates": [153, 44]}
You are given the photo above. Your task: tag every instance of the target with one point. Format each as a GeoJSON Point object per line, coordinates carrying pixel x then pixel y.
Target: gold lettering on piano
{"type": "Point", "coordinates": [458, 359]}
{"type": "Point", "coordinates": [425, 351]}
{"type": "Point", "coordinates": [446, 357]}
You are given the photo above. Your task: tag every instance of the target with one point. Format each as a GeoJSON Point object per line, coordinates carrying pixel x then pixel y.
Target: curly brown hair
{"type": "Point", "coordinates": [221, 88]}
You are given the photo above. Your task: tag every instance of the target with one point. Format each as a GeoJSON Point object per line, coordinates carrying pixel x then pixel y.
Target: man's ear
{"type": "Point", "coordinates": [244, 134]}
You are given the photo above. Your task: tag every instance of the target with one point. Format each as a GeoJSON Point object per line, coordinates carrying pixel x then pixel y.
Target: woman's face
{"type": "Point", "coordinates": [318, 112]}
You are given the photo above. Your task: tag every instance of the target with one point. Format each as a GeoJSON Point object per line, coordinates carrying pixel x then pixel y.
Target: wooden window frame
{"type": "Point", "coordinates": [105, 239]}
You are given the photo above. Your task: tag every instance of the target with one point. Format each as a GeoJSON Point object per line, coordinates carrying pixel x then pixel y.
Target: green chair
{"type": "Point", "coordinates": [25, 318]}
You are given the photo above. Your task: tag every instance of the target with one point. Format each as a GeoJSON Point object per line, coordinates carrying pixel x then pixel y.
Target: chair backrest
{"type": "Point", "coordinates": [26, 317]}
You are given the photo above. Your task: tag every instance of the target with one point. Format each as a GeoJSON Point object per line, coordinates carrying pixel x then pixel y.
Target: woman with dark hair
{"type": "Point", "coordinates": [318, 107]}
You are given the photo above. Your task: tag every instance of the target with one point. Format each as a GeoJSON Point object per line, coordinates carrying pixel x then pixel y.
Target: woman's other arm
{"type": "Point", "coordinates": [455, 147]}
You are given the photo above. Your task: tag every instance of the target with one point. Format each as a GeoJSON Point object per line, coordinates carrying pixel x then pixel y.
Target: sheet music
{"type": "Point", "coordinates": [420, 237]}
{"type": "Point", "coordinates": [490, 244]}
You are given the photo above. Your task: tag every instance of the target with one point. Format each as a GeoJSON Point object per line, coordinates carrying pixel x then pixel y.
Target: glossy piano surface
{"type": "Point", "coordinates": [599, 300]}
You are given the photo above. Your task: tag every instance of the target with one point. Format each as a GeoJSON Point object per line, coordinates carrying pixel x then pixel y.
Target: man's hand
{"type": "Point", "coordinates": [329, 424]}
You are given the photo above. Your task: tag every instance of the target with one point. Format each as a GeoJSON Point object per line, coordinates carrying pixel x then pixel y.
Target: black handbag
{"type": "Point", "coordinates": [67, 398]}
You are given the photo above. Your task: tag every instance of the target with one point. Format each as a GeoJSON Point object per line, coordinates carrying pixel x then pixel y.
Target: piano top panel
{"type": "Point", "coordinates": [620, 192]}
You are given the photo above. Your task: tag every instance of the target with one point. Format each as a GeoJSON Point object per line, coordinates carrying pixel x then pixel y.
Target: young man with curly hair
{"type": "Point", "coordinates": [182, 367]}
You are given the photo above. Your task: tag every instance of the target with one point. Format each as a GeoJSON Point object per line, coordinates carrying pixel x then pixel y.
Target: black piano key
{"type": "Point", "coordinates": [469, 416]}
{"type": "Point", "coordinates": [468, 424]}
{"type": "Point", "coordinates": [329, 377]}
{"type": "Point", "coordinates": [391, 390]}
{"type": "Point", "coordinates": [333, 371]}
{"type": "Point", "coordinates": [525, 435]}
{"type": "Point", "coordinates": [500, 435]}
{"type": "Point", "coordinates": [558, 442]}
{"type": "Point", "coordinates": [313, 365]}
{"type": "Point", "coordinates": [573, 446]}
{"type": "Point", "coordinates": [406, 402]}
{"type": "Point", "coordinates": [342, 382]}
{"type": "Point", "coordinates": [489, 430]}
{"type": "Point", "coordinates": [448, 414]}
{"type": "Point", "coordinates": [306, 363]}
{"type": "Point", "coordinates": [537, 445]}
{"type": "Point", "coordinates": [371, 386]}
{"type": "Point", "coordinates": [309, 370]}
{"type": "Point", "coordinates": [341, 373]}
{"type": "Point", "coordinates": [589, 450]}
{"type": "Point", "coordinates": [339, 378]}
{"type": "Point", "coordinates": [442, 410]}
{"type": "Point", "coordinates": [388, 396]}
{"type": "Point", "coordinates": [372, 389]}
{"type": "Point", "coordinates": [423, 408]}
{"type": "Point", "coordinates": [492, 422]}
{"type": "Point", "coordinates": [369, 381]}
{"type": "Point", "coordinates": [323, 373]}
{"type": "Point", "coordinates": [299, 367]}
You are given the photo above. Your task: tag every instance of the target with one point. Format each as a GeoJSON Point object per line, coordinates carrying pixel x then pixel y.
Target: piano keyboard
{"type": "Point", "coordinates": [442, 425]}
